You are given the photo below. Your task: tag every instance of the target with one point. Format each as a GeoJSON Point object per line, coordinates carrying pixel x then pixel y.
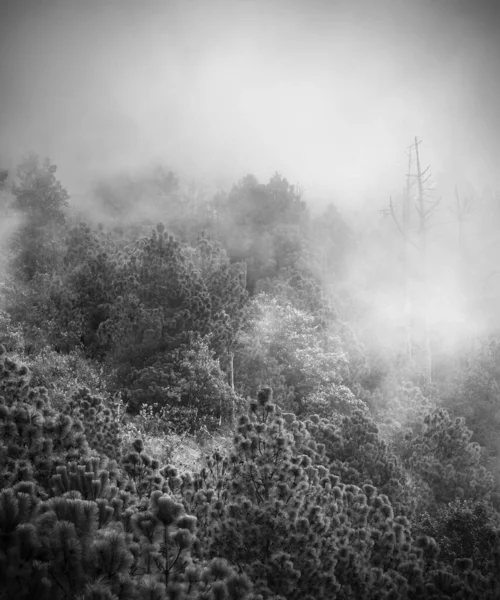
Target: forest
{"type": "Point", "coordinates": [231, 396]}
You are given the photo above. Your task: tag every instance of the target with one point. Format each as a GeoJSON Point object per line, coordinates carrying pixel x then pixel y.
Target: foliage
{"type": "Point", "coordinates": [399, 407]}
{"type": "Point", "coordinates": [11, 334]}
{"type": "Point", "coordinates": [333, 242]}
{"type": "Point", "coordinates": [189, 389]}
{"type": "Point", "coordinates": [466, 531]}
{"type": "Point", "coordinates": [353, 446]}
{"type": "Point", "coordinates": [287, 346]}
{"type": "Point", "coordinates": [65, 374]}
{"type": "Point", "coordinates": [323, 501]}
{"type": "Point", "coordinates": [162, 301]}
{"type": "Point", "coordinates": [71, 524]}
{"type": "Point", "coordinates": [439, 449]}
{"type": "Point", "coordinates": [43, 308]}
{"type": "Point", "coordinates": [89, 279]}
{"type": "Point", "coordinates": [275, 515]}
{"type": "Point", "coordinates": [100, 422]}
{"type": "Point", "coordinates": [277, 508]}
{"type": "Point", "coordinates": [253, 217]}
{"type": "Point", "coordinates": [476, 397]}
{"type": "Point", "coordinates": [41, 200]}
{"type": "Point", "coordinates": [34, 438]}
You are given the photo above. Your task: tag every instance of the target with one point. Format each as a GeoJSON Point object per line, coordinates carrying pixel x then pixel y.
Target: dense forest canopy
{"type": "Point", "coordinates": [249, 300]}
{"type": "Point", "coordinates": [232, 401]}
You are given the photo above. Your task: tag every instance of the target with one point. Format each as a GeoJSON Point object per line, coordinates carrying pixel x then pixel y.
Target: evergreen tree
{"type": "Point", "coordinates": [41, 200]}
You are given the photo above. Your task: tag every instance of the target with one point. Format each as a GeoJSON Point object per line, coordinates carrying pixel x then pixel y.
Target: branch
{"type": "Point", "coordinates": [463, 207]}
{"type": "Point", "coordinates": [405, 235]}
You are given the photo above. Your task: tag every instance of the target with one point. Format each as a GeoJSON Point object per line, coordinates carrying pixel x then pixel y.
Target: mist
{"type": "Point", "coordinates": [328, 93]}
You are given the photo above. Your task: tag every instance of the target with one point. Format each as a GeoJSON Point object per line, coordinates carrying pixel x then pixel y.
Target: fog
{"type": "Point", "coordinates": [328, 93]}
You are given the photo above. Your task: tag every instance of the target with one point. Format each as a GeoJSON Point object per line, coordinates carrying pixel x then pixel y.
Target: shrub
{"type": "Point", "coordinates": [440, 452]}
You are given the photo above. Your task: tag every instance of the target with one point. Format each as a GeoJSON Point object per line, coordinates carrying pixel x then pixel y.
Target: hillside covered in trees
{"type": "Point", "coordinates": [208, 402]}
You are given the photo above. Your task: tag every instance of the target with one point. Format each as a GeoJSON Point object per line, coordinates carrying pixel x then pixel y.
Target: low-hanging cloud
{"type": "Point", "coordinates": [328, 93]}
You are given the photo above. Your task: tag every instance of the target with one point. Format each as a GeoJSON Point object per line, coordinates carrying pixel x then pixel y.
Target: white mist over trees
{"type": "Point", "coordinates": [249, 347]}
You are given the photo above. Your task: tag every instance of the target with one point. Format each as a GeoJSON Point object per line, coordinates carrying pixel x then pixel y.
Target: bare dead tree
{"type": "Point", "coordinates": [424, 207]}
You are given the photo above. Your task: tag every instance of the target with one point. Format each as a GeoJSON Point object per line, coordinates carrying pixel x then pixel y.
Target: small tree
{"type": "Point", "coordinates": [41, 200]}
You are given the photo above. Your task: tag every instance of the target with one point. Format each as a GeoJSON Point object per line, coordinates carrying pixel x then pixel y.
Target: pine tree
{"type": "Point", "coordinates": [41, 200]}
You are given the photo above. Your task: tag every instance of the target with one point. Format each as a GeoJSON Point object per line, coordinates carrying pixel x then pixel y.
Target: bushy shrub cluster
{"type": "Point", "coordinates": [101, 424]}
{"type": "Point", "coordinates": [277, 507]}
{"type": "Point", "coordinates": [292, 350]}
{"type": "Point", "coordinates": [439, 450]}
{"type": "Point", "coordinates": [465, 531]}
{"type": "Point", "coordinates": [188, 388]}
{"type": "Point", "coordinates": [76, 525]}
{"type": "Point", "coordinates": [285, 515]}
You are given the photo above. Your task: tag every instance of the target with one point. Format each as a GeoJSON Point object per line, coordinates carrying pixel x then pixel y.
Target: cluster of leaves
{"type": "Point", "coordinates": [467, 531]}
{"type": "Point", "coordinates": [76, 525]}
{"type": "Point", "coordinates": [65, 374]}
{"type": "Point", "coordinates": [476, 397]}
{"type": "Point", "coordinates": [289, 348]}
{"type": "Point", "coordinates": [354, 447]}
{"type": "Point", "coordinates": [279, 510]}
{"type": "Point", "coordinates": [41, 200]}
{"type": "Point", "coordinates": [11, 335]}
{"type": "Point", "coordinates": [311, 508]}
{"type": "Point", "coordinates": [140, 303]}
{"type": "Point", "coordinates": [135, 303]}
{"type": "Point", "coordinates": [439, 450]}
{"type": "Point", "coordinates": [287, 514]}
{"type": "Point", "coordinates": [253, 221]}
{"type": "Point", "coordinates": [34, 438]}
{"type": "Point", "coordinates": [101, 424]}
{"type": "Point", "coordinates": [188, 388]}
{"type": "Point", "coordinates": [398, 407]}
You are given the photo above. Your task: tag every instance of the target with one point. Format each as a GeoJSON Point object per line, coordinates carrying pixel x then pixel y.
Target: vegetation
{"type": "Point", "coordinates": [192, 409]}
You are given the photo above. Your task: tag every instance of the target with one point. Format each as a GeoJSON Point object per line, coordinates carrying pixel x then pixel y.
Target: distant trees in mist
{"type": "Point", "coordinates": [237, 324]}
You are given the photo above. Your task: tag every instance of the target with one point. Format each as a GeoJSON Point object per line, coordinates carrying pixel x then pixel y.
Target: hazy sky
{"type": "Point", "coordinates": [330, 93]}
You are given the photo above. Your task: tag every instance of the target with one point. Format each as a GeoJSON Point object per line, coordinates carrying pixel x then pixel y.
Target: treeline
{"type": "Point", "coordinates": [340, 476]}
{"type": "Point", "coordinates": [217, 296]}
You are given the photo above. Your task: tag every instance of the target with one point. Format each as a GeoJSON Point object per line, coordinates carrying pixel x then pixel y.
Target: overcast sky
{"type": "Point", "coordinates": [329, 93]}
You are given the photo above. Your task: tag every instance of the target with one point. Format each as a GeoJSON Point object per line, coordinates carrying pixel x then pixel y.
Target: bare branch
{"type": "Point", "coordinates": [401, 230]}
